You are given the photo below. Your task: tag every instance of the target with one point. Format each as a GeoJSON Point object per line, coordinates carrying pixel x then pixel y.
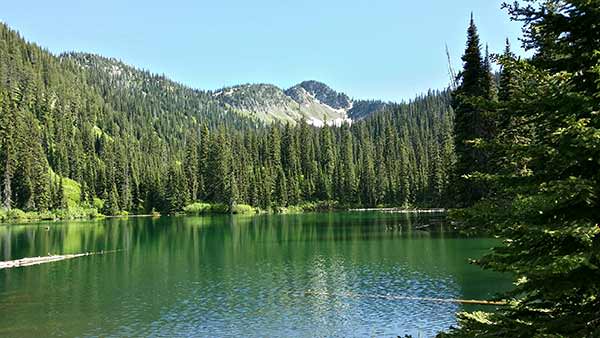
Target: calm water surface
{"type": "Point", "coordinates": [310, 275]}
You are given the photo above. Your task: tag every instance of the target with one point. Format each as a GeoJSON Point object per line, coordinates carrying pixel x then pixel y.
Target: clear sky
{"type": "Point", "coordinates": [386, 49]}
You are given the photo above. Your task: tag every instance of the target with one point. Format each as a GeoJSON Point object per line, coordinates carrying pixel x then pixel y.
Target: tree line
{"type": "Point", "coordinates": [137, 142]}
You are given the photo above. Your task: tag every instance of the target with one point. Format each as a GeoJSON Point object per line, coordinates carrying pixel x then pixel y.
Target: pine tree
{"type": "Point", "coordinates": [203, 162]}
{"type": "Point", "coordinates": [489, 83]}
{"type": "Point", "coordinates": [83, 194]}
{"type": "Point", "coordinates": [111, 202]}
{"type": "Point", "coordinates": [348, 175]}
{"type": "Point", "coordinates": [191, 166]}
{"type": "Point", "coordinates": [125, 193]}
{"type": "Point", "coordinates": [281, 193]}
{"type": "Point", "coordinates": [231, 193]}
{"type": "Point", "coordinates": [7, 151]}
{"type": "Point", "coordinates": [176, 189]}
{"type": "Point", "coordinates": [473, 75]}
{"type": "Point", "coordinates": [506, 75]}
{"type": "Point", "coordinates": [472, 121]}
{"type": "Point", "coordinates": [327, 163]}
{"type": "Point", "coordinates": [367, 178]}
{"type": "Point", "coordinates": [61, 199]}
{"type": "Point", "coordinates": [291, 163]}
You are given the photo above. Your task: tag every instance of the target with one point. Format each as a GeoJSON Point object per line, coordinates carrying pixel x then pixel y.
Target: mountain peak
{"type": "Point", "coordinates": [321, 92]}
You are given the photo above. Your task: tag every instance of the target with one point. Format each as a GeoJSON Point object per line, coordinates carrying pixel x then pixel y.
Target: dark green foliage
{"type": "Point", "coordinates": [176, 189]}
{"type": "Point", "coordinates": [191, 167]}
{"type": "Point", "coordinates": [547, 205]}
{"type": "Point", "coordinates": [60, 200]}
{"type": "Point", "coordinates": [473, 120]}
{"type": "Point", "coordinates": [111, 203]}
{"type": "Point", "coordinates": [507, 76]}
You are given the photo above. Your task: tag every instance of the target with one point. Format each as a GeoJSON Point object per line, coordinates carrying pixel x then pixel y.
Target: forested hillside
{"type": "Point", "coordinates": [79, 131]}
{"type": "Point", "coordinates": [131, 89]}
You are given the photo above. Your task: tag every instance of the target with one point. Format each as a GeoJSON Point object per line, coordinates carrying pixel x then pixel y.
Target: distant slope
{"type": "Point", "coordinates": [152, 96]}
{"type": "Point", "coordinates": [323, 102]}
{"type": "Point", "coordinates": [312, 101]}
{"type": "Point", "coordinates": [269, 103]}
{"type": "Point", "coordinates": [134, 89]}
{"type": "Point", "coordinates": [264, 102]}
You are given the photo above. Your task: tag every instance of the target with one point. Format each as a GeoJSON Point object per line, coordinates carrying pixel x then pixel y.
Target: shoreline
{"type": "Point", "coordinates": [278, 211]}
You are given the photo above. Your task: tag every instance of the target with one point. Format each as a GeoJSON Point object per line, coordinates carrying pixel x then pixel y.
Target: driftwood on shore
{"type": "Point", "coordinates": [28, 261]}
{"type": "Point", "coordinates": [403, 211]}
{"type": "Point", "coordinates": [392, 297]}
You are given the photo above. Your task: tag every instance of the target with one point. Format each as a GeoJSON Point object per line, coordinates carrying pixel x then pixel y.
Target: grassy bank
{"type": "Point", "coordinates": [17, 215]}
{"type": "Point", "coordinates": [201, 208]}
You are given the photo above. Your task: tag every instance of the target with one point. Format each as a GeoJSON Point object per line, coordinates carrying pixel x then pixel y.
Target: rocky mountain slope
{"type": "Point", "coordinates": [312, 101]}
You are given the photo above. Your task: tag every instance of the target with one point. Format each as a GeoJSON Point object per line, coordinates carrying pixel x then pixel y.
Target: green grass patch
{"type": "Point", "coordinates": [197, 208]}
{"type": "Point", "coordinates": [243, 209]}
{"type": "Point", "coordinates": [71, 188]}
{"type": "Point", "coordinates": [201, 208]}
{"type": "Point", "coordinates": [17, 215]}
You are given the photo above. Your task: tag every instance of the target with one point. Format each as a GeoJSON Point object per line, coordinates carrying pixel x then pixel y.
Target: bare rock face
{"type": "Point", "coordinates": [314, 90]}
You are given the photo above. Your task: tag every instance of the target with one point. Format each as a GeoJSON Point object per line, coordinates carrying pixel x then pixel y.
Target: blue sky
{"type": "Point", "coordinates": [387, 49]}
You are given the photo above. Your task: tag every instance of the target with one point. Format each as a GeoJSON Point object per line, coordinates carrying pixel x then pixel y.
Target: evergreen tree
{"type": "Point", "coordinates": [203, 162]}
{"type": "Point", "coordinates": [489, 83]}
{"type": "Point", "coordinates": [61, 199]}
{"type": "Point", "coordinates": [111, 202]}
{"type": "Point", "coordinates": [83, 194]}
{"type": "Point", "coordinates": [367, 180]}
{"type": "Point", "coordinates": [327, 163]}
{"type": "Point", "coordinates": [176, 189]}
{"type": "Point", "coordinates": [506, 75]}
{"type": "Point", "coordinates": [348, 176]}
{"type": "Point", "coordinates": [7, 151]}
{"type": "Point", "coordinates": [472, 121]}
{"type": "Point", "coordinates": [191, 166]}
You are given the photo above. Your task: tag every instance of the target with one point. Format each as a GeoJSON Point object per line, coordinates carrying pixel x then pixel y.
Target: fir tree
{"type": "Point", "coordinates": [191, 166]}
{"type": "Point", "coordinates": [472, 121]}
{"type": "Point", "coordinates": [111, 202]}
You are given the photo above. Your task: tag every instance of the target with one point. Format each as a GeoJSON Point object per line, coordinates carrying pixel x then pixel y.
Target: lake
{"type": "Point", "coordinates": [309, 275]}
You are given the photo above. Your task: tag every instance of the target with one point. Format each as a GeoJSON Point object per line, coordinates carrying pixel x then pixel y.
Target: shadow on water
{"type": "Point", "coordinates": [241, 276]}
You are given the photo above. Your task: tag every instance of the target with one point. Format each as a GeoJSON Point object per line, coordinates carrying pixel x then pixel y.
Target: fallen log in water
{"type": "Point", "coordinates": [28, 261]}
{"type": "Point", "coordinates": [391, 297]}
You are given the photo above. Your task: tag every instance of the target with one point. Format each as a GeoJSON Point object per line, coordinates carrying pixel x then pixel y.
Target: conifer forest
{"type": "Point", "coordinates": [509, 150]}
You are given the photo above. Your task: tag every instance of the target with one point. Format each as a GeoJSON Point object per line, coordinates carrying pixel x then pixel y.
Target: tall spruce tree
{"type": "Point", "coordinates": [348, 173]}
{"type": "Point", "coordinates": [191, 166]}
{"type": "Point", "coordinates": [472, 120]}
{"type": "Point", "coordinates": [506, 74]}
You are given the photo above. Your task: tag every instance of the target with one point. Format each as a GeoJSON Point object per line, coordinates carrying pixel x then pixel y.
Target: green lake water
{"type": "Point", "coordinates": [310, 275]}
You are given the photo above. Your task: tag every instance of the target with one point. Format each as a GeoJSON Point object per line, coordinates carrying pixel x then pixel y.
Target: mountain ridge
{"type": "Point", "coordinates": [310, 100]}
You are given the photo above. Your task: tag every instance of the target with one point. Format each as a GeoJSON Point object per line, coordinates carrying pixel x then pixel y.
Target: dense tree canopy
{"type": "Point", "coordinates": [137, 142]}
{"type": "Point", "coordinates": [547, 178]}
